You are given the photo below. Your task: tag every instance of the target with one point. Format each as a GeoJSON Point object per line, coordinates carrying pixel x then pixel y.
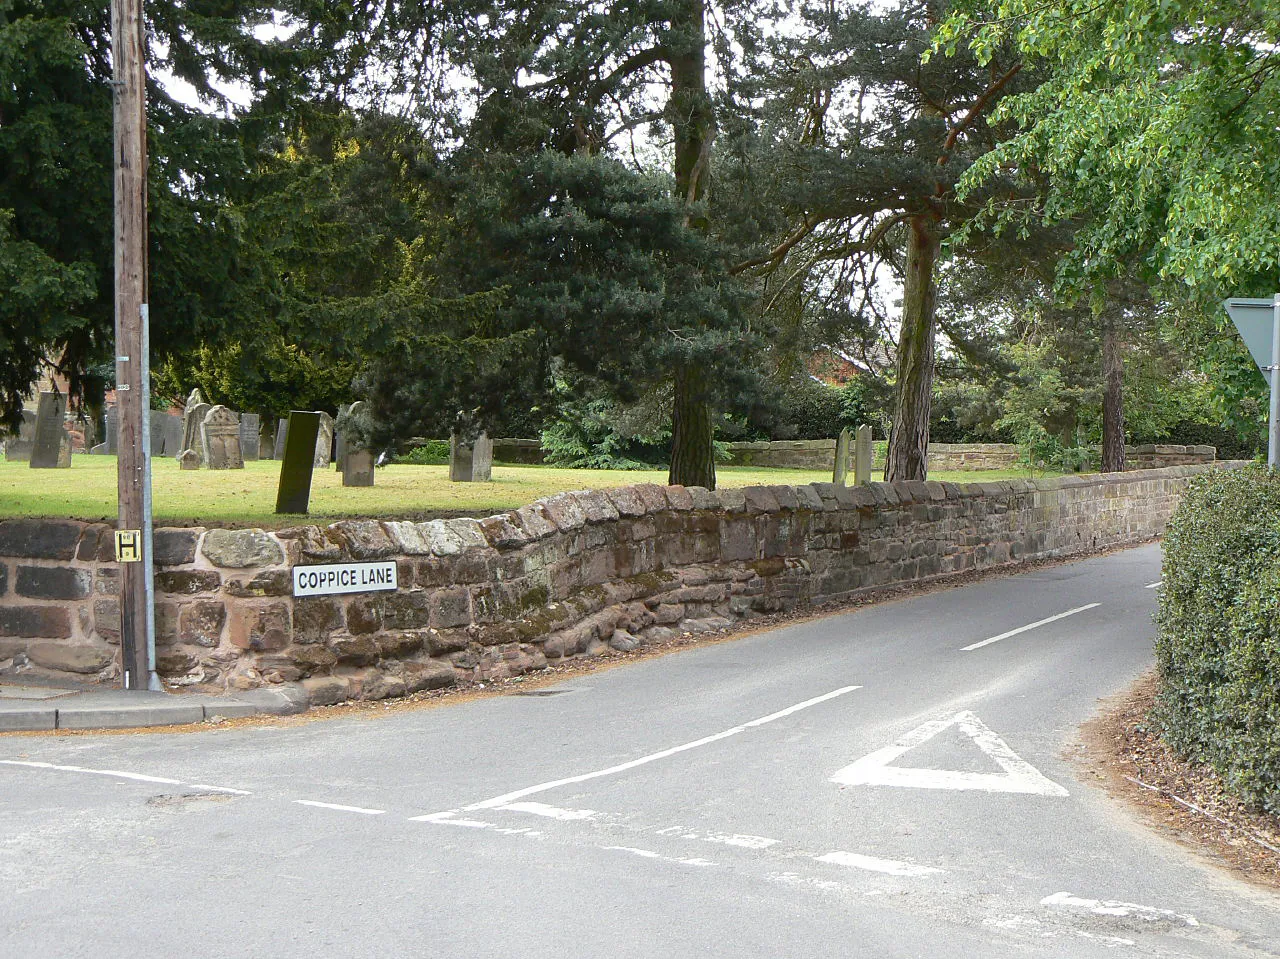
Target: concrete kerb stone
{"type": "Point", "coordinates": [124, 713]}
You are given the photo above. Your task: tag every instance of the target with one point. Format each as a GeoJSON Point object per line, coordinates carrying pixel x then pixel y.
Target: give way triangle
{"type": "Point", "coordinates": [1019, 776]}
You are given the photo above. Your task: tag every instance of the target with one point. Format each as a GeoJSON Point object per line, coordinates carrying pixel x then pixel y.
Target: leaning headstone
{"type": "Point", "coordinates": [461, 455]}
{"type": "Point", "coordinates": [220, 440]}
{"type": "Point", "coordinates": [482, 459]}
{"type": "Point", "coordinates": [282, 434]}
{"type": "Point", "coordinates": [189, 460]}
{"type": "Point", "coordinates": [250, 424]}
{"type": "Point", "coordinates": [356, 461]}
{"type": "Point", "coordinates": [840, 475]}
{"type": "Point", "coordinates": [112, 436]}
{"type": "Point", "coordinates": [17, 449]}
{"type": "Point", "coordinates": [192, 417]}
{"type": "Point", "coordinates": [294, 490]}
{"type": "Point", "coordinates": [324, 442]}
{"type": "Point", "coordinates": [51, 436]}
{"type": "Point", "coordinates": [862, 453]}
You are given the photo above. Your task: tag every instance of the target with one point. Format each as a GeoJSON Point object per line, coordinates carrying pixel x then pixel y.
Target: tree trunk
{"type": "Point", "coordinates": [692, 453]}
{"type": "Point", "coordinates": [1112, 400]}
{"type": "Point", "coordinates": [909, 442]}
{"type": "Point", "coordinates": [690, 114]}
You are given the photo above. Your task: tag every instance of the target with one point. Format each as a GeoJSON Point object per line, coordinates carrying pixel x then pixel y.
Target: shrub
{"type": "Point", "coordinates": [1218, 639]}
{"type": "Point", "coordinates": [433, 453]}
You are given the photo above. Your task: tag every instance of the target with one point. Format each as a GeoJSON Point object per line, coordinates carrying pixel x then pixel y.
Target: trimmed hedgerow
{"type": "Point", "coordinates": [1218, 639]}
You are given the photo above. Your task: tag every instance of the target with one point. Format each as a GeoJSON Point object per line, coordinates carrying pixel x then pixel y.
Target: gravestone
{"type": "Point", "coordinates": [461, 457]}
{"type": "Point", "coordinates": [47, 450]}
{"type": "Point", "coordinates": [189, 460]}
{"type": "Point", "coordinates": [156, 429]}
{"type": "Point", "coordinates": [267, 442]}
{"type": "Point", "coordinates": [282, 434]}
{"type": "Point", "coordinates": [482, 459]}
{"type": "Point", "coordinates": [99, 450]}
{"type": "Point", "coordinates": [340, 441]}
{"type": "Point", "coordinates": [294, 490]}
{"type": "Point", "coordinates": [250, 424]}
{"type": "Point", "coordinates": [171, 430]}
{"type": "Point", "coordinates": [17, 449]}
{"type": "Point", "coordinates": [356, 461]}
{"type": "Point", "coordinates": [324, 442]}
{"type": "Point", "coordinates": [112, 435]}
{"type": "Point", "coordinates": [192, 417]}
{"type": "Point", "coordinates": [840, 475]}
{"type": "Point", "coordinates": [862, 453]}
{"type": "Point", "coordinates": [220, 440]}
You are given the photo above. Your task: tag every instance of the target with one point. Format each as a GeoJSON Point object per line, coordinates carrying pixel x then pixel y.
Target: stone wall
{"type": "Point", "coordinates": [820, 455]}
{"type": "Point", "coordinates": [571, 575]}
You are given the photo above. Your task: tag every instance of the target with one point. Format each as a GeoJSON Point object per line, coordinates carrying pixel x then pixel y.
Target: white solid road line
{"type": "Point", "coordinates": [551, 812]}
{"type": "Point", "coordinates": [138, 777]}
{"type": "Point", "coordinates": [508, 798]}
{"type": "Point", "coordinates": [1023, 629]}
{"type": "Point", "coordinates": [339, 808]}
{"type": "Point", "coordinates": [891, 866]}
{"type": "Point", "coordinates": [1153, 585]}
{"type": "Point", "coordinates": [1110, 907]}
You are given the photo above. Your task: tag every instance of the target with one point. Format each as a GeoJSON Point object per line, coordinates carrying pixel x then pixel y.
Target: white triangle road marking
{"type": "Point", "coordinates": [1019, 776]}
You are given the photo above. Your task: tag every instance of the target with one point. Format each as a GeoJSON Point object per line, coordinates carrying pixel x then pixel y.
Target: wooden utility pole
{"type": "Point", "coordinates": [133, 539]}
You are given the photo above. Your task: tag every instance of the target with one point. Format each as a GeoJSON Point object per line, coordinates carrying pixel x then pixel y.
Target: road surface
{"type": "Point", "coordinates": [891, 782]}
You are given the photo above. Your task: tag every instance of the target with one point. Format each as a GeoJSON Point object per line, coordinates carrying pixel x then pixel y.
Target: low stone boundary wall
{"type": "Point", "coordinates": [820, 455]}
{"type": "Point", "coordinates": [572, 575]}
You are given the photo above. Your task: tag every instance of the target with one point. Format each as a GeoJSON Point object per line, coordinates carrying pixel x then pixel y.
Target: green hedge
{"type": "Point", "coordinates": [1218, 640]}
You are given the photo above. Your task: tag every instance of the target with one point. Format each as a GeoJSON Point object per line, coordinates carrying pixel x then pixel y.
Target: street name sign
{"type": "Point", "coordinates": [333, 578]}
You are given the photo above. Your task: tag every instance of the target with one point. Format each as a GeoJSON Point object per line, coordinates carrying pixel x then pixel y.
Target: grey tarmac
{"type": "Point", "coordinates": [857, 785]}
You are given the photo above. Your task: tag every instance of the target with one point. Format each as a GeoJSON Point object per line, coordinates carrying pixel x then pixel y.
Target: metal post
{"type": "Point", "coordinates": [134, 463]}
{"type": "Point", "coordinates": [1273, 426]}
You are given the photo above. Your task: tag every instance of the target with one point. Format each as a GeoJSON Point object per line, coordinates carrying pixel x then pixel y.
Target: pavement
{"type": "Point", "coordinates": [31, 708]}
{"type": "Point", "coordinates": [896, 781]}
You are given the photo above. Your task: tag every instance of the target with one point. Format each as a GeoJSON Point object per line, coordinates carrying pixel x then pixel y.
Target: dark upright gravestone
{"type": "Point", "coordinates": [157, 434]}
{"type": "Point", "coordinates": [282, 434]}
{"type": "Point", "coordinates": [294, 492]}
{"type": "Point", "coordinates": [482, 460]}
{"type": "Point", "coordinates": [356, 462]}
{"type": "Point", "coordinates": [461, 454]}
{"type": "Point", "coordinates": [171, 427]}
{"type": "Point", "coordinates": [250, 424]}
{"type": "Point", "coordinates": [17, 449]}
{"type": "Point", "coordinates": [340, 438]}
{"type": "Point", "coordinates": [112, 436]}
{"type": "Point", "coordinates": [47, 450]}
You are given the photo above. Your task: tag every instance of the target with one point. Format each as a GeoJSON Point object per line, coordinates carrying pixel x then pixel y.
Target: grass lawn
{"type": "Point", "coordinates": [247, 497]}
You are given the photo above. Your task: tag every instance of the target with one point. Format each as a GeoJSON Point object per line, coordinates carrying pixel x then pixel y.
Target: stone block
{"type": "Point", "coordinates": [200, 623]}
{"type": "Point", "coordinates": [187, 581]}
{"type": "Point", "coordinates": [270, 582]}
{"type": "Point", "coordinates": [652, 496]}
{"type": "Point", "coordinates": [375, 684]}
{"type": "Point", "coordinates": [786, 497]}
{"type": "Point", "coordinates": [312, 658]}
{"type": "Point", "coordinates": [68, 658]}
{"type": "Point", "coordinates": [363, 539]}
{"type": "Point", "coordinates": [355, 650]}
{"type": "Point", "coordinates": [533, 520]}
{"type": "Point", "coordinates": [327, 690]}
{"type": "Point", "coordinates": [175, 547]}
{"type": "Point", "coordinates": [703, 498]}
{"type": "Point", "coordinates": [732, 500]}
{"type": "Point", "coordinates": [408, 538]}
{"type": "Point", "coordinates": [450, 607]}
{"type": "Point", "coordinates": [399, 645]}
{"type": "Point", "coordinates": [260, 628]}
{"type": "Point", "coordinates": [97, 544]}
{"type": "Point", "coordinates": [39, 538]}
{"type": "Point", "coordinates": [43, 622]}
{"type": "Point", "coordinates": [241, 548]}
{"type": "Point", "coordinates": [314, 618]}
{"type": "Point", "coordinates": [760, 499]}
{"type": "Point", "coordinates": [679, 497]}
{"type": "Point", "coordinates": [564, 510]}
{"type": "Point", "coordinates": [53, 582]}
{"type": "Point", "coordinates": [807, 498]}
{"type": "Point", "coordinates": [364, 615]}
{"type": "Point", "coordinates": [503, 531]}
{"type": "Point", "coordinates": [309, 544]}
{"type": "Point", "coordinates": [467, 532]}
{"type": "Point", "coordinates": [597, 506]}
{"type": "Point", "coordinates": [402, 610]}
{"type": "Point", "coordinates": [626, 501]}
{"type": "Point", "coordinates": [175, 663]}
{"type": "Point", "coordinates": [4, 578]}
{"type": "Point", "coordinates": [443, 641]}
{"type": "Point", "coordinates": [429, 675]}
{"type": "Point", "coordinates": [106, 620]}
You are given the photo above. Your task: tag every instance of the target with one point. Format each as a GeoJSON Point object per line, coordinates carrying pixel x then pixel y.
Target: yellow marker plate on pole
{"type": "Point", "coordinates": [128, 546]}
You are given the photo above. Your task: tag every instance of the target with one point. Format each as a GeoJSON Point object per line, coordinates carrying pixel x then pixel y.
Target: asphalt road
{"type": "Point", "coordinates": [860, 785]}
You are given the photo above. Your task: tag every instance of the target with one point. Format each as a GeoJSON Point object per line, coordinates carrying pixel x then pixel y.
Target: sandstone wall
{"type": "Point", "coordinates": [566, 576]}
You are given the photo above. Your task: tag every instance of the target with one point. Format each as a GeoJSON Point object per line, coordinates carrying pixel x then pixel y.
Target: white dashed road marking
{"type": "Point", "coordinates": [891, 866]}
{"type": "Point", "coordinates": [1153, 585]}
{"type": "Point", "coordinates": [551, 812]}
{"type": "Point", "coordinates": [1023, 629]}
{"type": "Point", "coordinates": [338, 807]}
{"type": "Point", "coordinates": [1110, 907]}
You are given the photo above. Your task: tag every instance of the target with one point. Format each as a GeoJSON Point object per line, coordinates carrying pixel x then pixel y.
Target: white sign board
{"type": "Point", "coordinates": [344, 578]}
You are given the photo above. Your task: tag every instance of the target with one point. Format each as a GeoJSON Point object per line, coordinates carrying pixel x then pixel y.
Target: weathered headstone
{"type": "Point", "coordinates": [840, 475]}
{"type": "Point", "coordinates": [171, 428]}
{"type": "Point", "coordinates": [112, 435]}
{"type": "Point", "coordinates": [189, 460]}
{"type": "Point", "coordinates": [324, 442]}
{"type": "Point", "coordinates": [282, 434]}
{"type": "Point", "coordinates": [17, 449]}
{"type": "Point", "coordinates": [156, 429]}
{"type": "Point", "coordinates": [294, 490]}
{"type": "Point", "coordinates": [51, 436]}
{"type": "Point", "coordinates": [862, 453]}
{"type": "Point", "coordinates": [461, 457]}
{"type": "Point", "coordinates": [340, 441]}
{"type": "Point", "coordinates": [220, 440]}
{"type": "Point", "coordinates": [192, 417]}
{"type": "Point", "coordinates": [267, 441]}
{"type": "Point", "coordinates": [250, 424]}
{"type": "Point", "coordinates": [482, 459]}
{"type": "Point", "coordinates": [356, 462]}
